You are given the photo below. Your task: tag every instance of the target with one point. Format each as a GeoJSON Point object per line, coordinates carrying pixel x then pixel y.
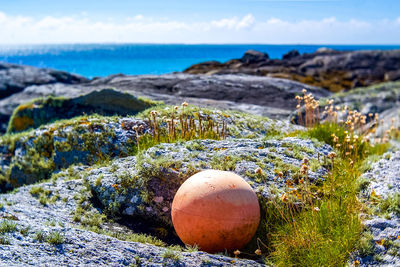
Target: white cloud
{"type": "Point", "coordinates": [246, 29]}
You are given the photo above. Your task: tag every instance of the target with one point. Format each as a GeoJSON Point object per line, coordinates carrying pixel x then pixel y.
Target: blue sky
{"type": "Point", "coordinates": [217, 21]}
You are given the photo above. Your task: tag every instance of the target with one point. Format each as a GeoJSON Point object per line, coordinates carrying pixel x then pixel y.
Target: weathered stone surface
{"type": "Point", "coordinates": [384, 178]}
{"type": "Point", "coordinates": [81, 247]}
{"type": "Point", "coordinates": [326, 68]}
{"type": "Point", "coordinates": [146, 185]}
{"type": "Point", "coordinates": [105, 102]}
{"type": "Point", "coordinates": [14, 78]}
{"type": "Point", "coordinates": [259, 95]}
{"type": "Point", "coordinates": [36, 155]}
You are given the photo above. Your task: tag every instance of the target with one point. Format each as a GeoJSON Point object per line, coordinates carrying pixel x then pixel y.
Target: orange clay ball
{"type": "Point", "coordinates": [215, 210]}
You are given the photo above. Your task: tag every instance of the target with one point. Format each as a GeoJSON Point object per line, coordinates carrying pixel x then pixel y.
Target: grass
{"type": "Point", "coordinates": [55, 238]}
{"type": "Point", "coordinates": [391, 204]}
{"type": "Point", "coordinates": [173, 255]}
{"type": "Point", "coordinates": [320, 225]}
{"type": "Point", "coordinates": [7, 226]}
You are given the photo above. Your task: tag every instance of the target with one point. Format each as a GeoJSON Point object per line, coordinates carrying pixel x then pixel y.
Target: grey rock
{"type": "Point", "coordinates": [81, 247]}
{"type": "Point", "coordinates": [15, 78]}
{"type": "Point", "coordinates": [107, 102]}
{"type": "Point", "coordinates": [180, 161]}
{"type": "Point", "coordinates": [384, 179]}
{"type": "Point", "coordinates": [334, 70]}
{"type": "Point", "coordinates": [266, 96]}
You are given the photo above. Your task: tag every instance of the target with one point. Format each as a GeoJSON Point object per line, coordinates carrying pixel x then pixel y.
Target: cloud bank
{"type": "Point", "coordinates": [246, 29]}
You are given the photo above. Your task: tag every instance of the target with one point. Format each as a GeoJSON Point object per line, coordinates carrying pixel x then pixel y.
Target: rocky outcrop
{"type": "Point", "coordinates": [270, 97]}
{"type": "Point", "coordinates": [162, 169]}
{"type": "Point", "coordinates": [14, 78]}
{"type": "Point", "coordinates": [36, 155]}
{"type": "Point", "coordinates": [326, 68]}
{"type": "Point", "coordinates": [47, 234]}
{"type": "Point", "coordinates": [105, 102]}
{"type": "Point", "coordinates": [382, 193]}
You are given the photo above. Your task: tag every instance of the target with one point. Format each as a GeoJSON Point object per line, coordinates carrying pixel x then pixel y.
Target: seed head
{"type": "Point", "coordinates": [258, 171]}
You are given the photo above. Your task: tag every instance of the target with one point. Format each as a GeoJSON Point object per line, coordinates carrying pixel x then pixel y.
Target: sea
{"type": "Point", "coordinates": [94, 60]}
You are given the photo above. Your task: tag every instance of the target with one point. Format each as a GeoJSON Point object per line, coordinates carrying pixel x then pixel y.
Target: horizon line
{"type": "Point", "coordinates": [179, 43]}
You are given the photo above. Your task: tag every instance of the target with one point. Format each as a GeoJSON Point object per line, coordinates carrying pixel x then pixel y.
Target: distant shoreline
{"type": "Point", "coordinates": [99, 60]}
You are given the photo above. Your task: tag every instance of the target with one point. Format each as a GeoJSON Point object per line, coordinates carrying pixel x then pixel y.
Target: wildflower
{"type": "Point", "coordinates": [280, 174]}
{"type": "Point", "coordinates": [185, 104]}
{"type": "Point", "coordinates": [316, 209]}
{"type": "Point", "coordinates": [304, 169]}
{"type": "Point", "coordinates": [236, 253]}
{"type": "Point", "coordinates": [284, 198]}
{"type": "Point", "coordinates": [304, 91]}
{"type": "Point", "coordinates": [305, 160]}
{"type": "Point", "coordinates": [380, 242]}
{"type": "Point", "coordinates": [258, 252]}
{"type": "Point", "coordinates": [115, 186]}
{"type": "Point", "coordinates": [258, 171]}
{"type": "Point", "coordinates": [176, 107]}
{"type": "Point", "coordinates": [332, 155]}
{"type": "Point", "coordinates": [374, 194]}
{"type": "Point", "coordinates": [356, 262]}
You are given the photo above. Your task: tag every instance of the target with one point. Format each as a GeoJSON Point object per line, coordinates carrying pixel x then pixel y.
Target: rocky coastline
{"type": "Point", "coordinates": [86, 181]}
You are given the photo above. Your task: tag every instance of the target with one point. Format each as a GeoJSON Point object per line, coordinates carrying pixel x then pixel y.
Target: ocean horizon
{"type": "Point", "coordinates": [94, 60]}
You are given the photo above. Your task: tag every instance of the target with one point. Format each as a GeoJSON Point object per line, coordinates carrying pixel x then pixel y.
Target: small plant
{"type": "Point", "coordinates": [169, 254]}
{"type": "Point", "coordinates": [24, 231]}
{"type": "Point", "coordinates": [55, 238]}
{"type": "Point", "coordinates": [4, 240]}
{"type": "Point", "coordinates": [181, 124]}
{"type": "Point", "coordinates": [7, 226]}
{"type": "Point", "coordinates": [39, 236]}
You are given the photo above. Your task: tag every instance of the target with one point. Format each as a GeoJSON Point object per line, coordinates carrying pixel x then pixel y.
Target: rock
{"type": "Point", "coordinates": [266, 96]}
{"type": "Point", "coordinates": [291, 54]}
{"type": "Point", "coordinates": [74, 246]}
{"type": "Point", "coordinates": [383, 177]}
{"type": "Point", "coordinates": [326, 68]}
{"type": "Point", "coordinates": [36, 155]}
{"type": "Point", "coordinates": [106, 102]}
{"type": "Point", "coordinates": [14, 78]}
{"type": "Point", "coordinates": [252, 56]}
{"type": "Point", "coordinates": [161, 170]}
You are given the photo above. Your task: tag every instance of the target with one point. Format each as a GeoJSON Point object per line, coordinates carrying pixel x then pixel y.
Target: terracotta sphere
{"type": "Point", "coordinates": [215, 210]}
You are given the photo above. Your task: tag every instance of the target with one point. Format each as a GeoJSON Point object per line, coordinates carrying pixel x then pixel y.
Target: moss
{"type": "Point", "coordinates": [365, 244]}
{"type": "Point", "coordinates": [20, 124]}
{"type": "Point", "coordinates": [225, 163]}
{"type": "Point", "coordinates": [169, 254]}
{"type": "Point", "coordinates": [43, 195]}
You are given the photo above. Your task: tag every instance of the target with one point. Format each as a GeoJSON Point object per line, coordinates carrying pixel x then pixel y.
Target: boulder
{"type": "Point", "coordinates": [272, 97]}
{"type": "Point", "coordinates": [326, 68]}
{"type": "Point", "coordinates": [104, 102]}
{"type": "Point", "coordinates": [252, 56]}
{"type": "Point", "coordinates": [291, 54]}
{"type": "Point", "coordinates": [14, 78]}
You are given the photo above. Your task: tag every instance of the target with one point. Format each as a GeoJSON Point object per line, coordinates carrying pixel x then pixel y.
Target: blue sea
{"type": "Point", "coordinates": [93, 60]}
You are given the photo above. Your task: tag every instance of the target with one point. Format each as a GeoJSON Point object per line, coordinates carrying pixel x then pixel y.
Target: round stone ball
{"type": "Point", "coordinates": [215, 210]}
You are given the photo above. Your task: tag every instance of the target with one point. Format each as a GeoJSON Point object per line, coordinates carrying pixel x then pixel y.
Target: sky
{"type": "Point", "coordinates": [206, 21]}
